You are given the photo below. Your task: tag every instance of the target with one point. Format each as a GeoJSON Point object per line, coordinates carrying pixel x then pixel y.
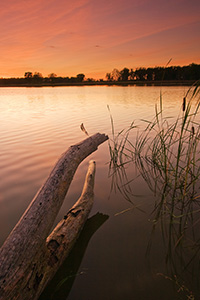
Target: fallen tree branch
{"type": "Point", "coordinates": [25, 248]}
{"type": "Point", "coordinates": [60, 286]}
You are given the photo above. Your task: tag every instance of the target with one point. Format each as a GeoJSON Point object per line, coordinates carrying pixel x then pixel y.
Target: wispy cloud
{"type": "Point", "coordinates": [89, 34]}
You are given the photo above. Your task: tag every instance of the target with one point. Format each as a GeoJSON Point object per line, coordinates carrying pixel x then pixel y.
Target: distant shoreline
{"type": "Point", "coordinates": [105, 83]}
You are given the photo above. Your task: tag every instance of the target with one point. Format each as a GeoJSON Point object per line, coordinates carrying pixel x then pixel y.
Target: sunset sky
{"type": "Point", "coordinates": [94, 37]}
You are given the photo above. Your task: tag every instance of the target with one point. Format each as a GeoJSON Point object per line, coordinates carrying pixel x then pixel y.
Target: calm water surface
{"type": "Point", "coordinates": [110, 260]}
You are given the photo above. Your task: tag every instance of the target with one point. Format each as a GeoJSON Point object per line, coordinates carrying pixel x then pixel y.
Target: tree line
{"type": "Point", "coordinates": [173, 73]}
{"type": "Point", "coordinates": [190, 72]}
{"type": "Point", "coordinates": [37, 78]}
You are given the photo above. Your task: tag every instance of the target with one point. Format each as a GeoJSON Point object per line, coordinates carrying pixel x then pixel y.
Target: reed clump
{"type": "Point", "coordinates": [167, 155]}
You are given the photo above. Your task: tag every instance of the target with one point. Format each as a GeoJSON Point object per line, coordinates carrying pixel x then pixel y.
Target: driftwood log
{"type": "Point", "coordinates": [29, 257]}
{"type": "Point", "coordinates": [59, 287]}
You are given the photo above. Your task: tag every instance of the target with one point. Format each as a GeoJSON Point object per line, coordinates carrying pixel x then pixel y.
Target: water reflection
{"type": "Point", "coordinates": [181, 254]}
{"type": "Point", "coordinates": [166, 155]}
{"type": "Point", "coordinates": [180, 237]}
{"type": "Point", "coordinates": [37, 125]}
{"type": "Point", "coordinates": [60, 286]}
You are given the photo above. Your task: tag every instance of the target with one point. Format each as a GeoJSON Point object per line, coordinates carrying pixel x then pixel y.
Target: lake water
{"type": "Point", "coordinates": [110, 259]}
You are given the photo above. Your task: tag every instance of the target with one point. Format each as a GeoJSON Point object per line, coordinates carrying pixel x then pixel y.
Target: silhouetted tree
{"type": "Point", "coordinates": [124, 74]}
{"type": "Point", "coordinates": [141, 74]}
{"type": "Point", "coordinates": [194, 71]}
{"type": "Point", "coordinates": [80, 77]}
{"type": "Point", "coordinates": [52, 75]}
{"type": "Point", "coordinates": [131, 75]}
{"type": "Point", "coordinates": [28, 75]}
{"type": "Point", "coordinates": [150, 74]}
{"type": "Point", "coordinates": [115, 74]}
{"type": "Point", "coordinates": [109, 77]}
{"type": "Point", "coordinates": [158, 71]}
{"type": "Point", "coordinates": [37, 77]}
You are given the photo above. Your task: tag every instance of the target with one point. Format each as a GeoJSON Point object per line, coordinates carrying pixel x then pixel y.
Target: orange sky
{"type": "Point", "coordinates": [94, 37]}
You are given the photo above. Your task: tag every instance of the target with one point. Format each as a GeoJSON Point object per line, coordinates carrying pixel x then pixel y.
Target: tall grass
{"type": "Point", "coordinates": [120, 157]}
{"type": "Point", "coordinates": [166, 154]}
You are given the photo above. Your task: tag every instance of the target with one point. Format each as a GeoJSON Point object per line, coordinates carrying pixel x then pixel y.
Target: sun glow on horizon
{"type": "Point", "coordinates": [93, 38]}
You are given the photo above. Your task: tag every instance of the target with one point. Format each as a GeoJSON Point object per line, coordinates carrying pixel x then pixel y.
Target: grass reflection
{"type": "Point", "coordinates": [166, 154]}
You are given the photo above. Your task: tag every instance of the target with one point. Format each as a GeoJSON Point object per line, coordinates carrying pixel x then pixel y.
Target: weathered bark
{"type": "Point", "coordinates": [59, 288]}
{"type": "Point", "coordinates": [25, 261]}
